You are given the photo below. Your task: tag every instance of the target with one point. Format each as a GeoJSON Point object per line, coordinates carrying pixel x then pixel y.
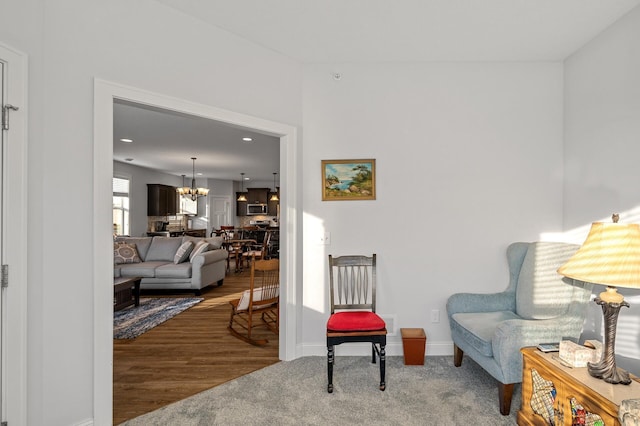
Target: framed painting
{"type": "Point", "coordinates": [348, 180]}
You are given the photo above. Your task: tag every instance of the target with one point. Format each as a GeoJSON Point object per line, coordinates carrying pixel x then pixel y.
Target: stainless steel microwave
{"type": "Point", "coordinates": [257, 209]}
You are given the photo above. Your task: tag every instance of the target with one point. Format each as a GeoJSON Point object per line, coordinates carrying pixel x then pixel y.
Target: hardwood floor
{"type": "Point", "coordinates": [186, 355]}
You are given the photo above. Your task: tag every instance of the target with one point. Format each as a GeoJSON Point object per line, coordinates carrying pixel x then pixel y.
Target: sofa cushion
{"type": "Point", "coordinates": [144, 269]}
{"type": "Point", "coordinates": [183, 252]}
{"type": "Point", "coordinates": [541, 292]}
{"type": "Point", "coordinates": [163, 248]}
{"type": "Point", "coordinates": [125, 253]}
{"type": "Point", "coordinates": [215, 242]}
{"type": "Point", "coordinates": [172, 270]}
{"type": "Point", "coordinates": [142, 244]}
{"type": "Point", "coordinates": [200, 247]}
{"type": "Point", "coordinates": [478, 328]}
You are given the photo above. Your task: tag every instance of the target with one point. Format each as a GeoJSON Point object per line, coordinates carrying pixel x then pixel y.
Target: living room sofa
{"type": "Point", "coordinates": [175, 263]}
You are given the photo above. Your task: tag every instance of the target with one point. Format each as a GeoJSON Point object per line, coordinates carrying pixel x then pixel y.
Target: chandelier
{"type": "Point", "coordinates": [192, 192]}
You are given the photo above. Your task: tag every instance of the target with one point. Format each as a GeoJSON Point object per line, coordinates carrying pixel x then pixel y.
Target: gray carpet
{"type": "Point", "coordinates": [131, 322]}
{"type": "Point", "coordinates": [295, 393]}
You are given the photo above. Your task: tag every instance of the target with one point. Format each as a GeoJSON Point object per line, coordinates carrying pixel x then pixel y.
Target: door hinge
{"type": "Point", "coordinates": [5, 281]}
{"type": "Point", "coordinates": [5, 120]}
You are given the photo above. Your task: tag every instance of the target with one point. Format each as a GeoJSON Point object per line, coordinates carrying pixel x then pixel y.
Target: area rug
{"type": "Point", "coordinates": [295, 393]}
{"type": "Point", "coordinates": [132, 322]}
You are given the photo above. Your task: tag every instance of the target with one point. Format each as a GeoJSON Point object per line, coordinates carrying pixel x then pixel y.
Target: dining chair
{"type": "Point", "coordinates": [353, 318]}
{"type": "Point", "coordinates": [258, 252]}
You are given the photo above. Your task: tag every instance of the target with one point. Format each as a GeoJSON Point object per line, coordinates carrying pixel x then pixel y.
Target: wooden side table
{"type": "Point", "coordinates": [595, 395]}
{"type": "Point", "coordinates": [126, 292]}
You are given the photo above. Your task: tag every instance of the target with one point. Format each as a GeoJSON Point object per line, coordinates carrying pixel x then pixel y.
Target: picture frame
{"type": "Point", "coordinates": [348, 180]}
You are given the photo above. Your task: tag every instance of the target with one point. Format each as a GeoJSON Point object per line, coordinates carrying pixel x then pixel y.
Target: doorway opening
{"type": "Point", "coordinates": [105, 95]}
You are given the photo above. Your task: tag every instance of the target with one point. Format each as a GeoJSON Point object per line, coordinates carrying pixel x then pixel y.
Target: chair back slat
{"type": "Point", "coordinates": [265, 274]}
{"type": "Point", "coordinates": [352, 282]}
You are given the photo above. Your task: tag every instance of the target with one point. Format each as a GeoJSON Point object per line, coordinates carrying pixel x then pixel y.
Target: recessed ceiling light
{"type": "Point", "coordinates": [126, 140]}
{"type": "Point", "coordinates": [247, 139]}
{"type": "Point", "coordinates": [246, 178]}
{"type": "Point", "coordinates": [198, 174]}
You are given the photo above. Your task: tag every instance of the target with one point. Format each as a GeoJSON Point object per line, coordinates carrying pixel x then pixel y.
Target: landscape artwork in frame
{"type": "Point", "coordinates": [344, 180]}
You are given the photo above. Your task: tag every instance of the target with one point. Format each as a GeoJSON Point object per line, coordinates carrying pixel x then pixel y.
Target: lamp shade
{"type": "Point", "coordinates": [609, 256]}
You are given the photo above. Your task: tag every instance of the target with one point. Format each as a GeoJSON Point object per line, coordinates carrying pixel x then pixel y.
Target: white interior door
{"type": "Point", "coordinates": [220, 211]}
{"type": "Point", "coordinates": [3, 321]}
{"type": "Point", "coordinates": [13, 213]}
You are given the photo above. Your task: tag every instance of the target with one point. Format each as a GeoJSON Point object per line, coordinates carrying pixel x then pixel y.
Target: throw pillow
{"type": "Point", "coordinates": [183, 252]}
{"type": "Point", "coordinates": [201, 247]}
{"type": "Point", "coordinates": [125, 253]}
{"type": "Point", "coordinates": [243, 304]}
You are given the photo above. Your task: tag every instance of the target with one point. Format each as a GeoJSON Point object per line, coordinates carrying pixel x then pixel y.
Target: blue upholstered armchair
{"type": "Point", "coordinates": [538, 306]}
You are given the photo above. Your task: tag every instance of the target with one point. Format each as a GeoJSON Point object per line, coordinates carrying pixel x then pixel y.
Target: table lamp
{"type": "Point", "coordinates": [609, 256]}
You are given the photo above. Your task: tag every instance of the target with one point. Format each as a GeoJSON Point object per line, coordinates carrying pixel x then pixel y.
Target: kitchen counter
{"type": "Point", "coordinates": [201, 233]}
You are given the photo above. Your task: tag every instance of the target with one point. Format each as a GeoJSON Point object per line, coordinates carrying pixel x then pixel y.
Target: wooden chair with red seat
{"type": "Point", "coordinates": [352, 286]}
{"type": "Point", "coordinates": [262, 298]}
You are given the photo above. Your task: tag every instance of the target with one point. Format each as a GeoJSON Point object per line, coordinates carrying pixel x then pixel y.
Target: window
{"type": "Point", "coordinates": [120, 206]}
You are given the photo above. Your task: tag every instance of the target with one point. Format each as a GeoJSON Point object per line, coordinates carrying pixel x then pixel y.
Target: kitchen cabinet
{"type": "Point", "coordinates": [594, 395]}
{"type": "Point", "coordinates": [162, 200]}
{"type": "Point", "coordinates": [241, 206]}
{"type": "Point", "coordinates": [257, 195]}
{"type": "Point", "coordinates": [273, 205]}
{"type": "Point", "coordinates": [254, 196]}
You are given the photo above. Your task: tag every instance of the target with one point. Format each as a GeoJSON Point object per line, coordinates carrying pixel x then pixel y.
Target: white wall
{"type": "Point", "coordinates": [141, 44]}
{"type": "Point", "coordinates": [602, 152]}
{"type": "Point", "coordinates": [468, 160]}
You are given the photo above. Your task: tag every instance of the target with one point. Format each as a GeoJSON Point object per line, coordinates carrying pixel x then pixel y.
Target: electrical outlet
{"type": "Point", "coordinates": [435, 315]}
{"type": "Point", "coordinates": [325, 239]}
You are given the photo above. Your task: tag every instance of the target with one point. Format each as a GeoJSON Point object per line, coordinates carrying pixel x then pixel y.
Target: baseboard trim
{"type": "Point", "coordinates": [364, 349]}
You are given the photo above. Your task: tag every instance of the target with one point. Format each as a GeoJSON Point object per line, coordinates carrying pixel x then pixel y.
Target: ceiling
{"type": "Point", "coordinates": [314, 31]}
{"type": "Point", "coordinates": [165, 140]}
{"type": "Point", "coordinates": [353, 31]}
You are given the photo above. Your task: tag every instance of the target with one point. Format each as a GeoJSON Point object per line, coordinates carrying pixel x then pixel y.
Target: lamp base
{"type": "Point", "coordinates": [606, 369]}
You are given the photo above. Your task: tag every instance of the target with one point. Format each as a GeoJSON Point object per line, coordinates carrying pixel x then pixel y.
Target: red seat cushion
{"type": "Point", "coordinates": [355, 321]}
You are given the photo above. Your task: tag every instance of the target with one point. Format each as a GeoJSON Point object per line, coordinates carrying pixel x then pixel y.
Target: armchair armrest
{"type": "Point", "coordinates": [512, 335]}
{"type": "Point", "coordinates": [473, 302]}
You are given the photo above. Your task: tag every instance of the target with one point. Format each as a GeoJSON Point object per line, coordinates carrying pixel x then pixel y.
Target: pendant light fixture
{"type": "Point", "coordinates": [242, 196]}
{"type": "Point", "coordinates": [274, 196]}
{"type": "Point", "coordinates": [192, 192]}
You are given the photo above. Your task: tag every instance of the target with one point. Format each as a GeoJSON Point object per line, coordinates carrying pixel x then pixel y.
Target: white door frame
{"type": "Point", "coordinates": [14, 235]}
{"type": "Point", "coordinates": [104, 94]}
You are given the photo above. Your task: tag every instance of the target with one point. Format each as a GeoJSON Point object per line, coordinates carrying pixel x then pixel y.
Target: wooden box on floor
{"type": "Point", "coordinates": [413, 345]}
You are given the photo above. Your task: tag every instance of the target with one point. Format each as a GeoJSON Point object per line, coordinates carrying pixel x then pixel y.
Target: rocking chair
{"type": "Point", "coordinates": [261, 298]}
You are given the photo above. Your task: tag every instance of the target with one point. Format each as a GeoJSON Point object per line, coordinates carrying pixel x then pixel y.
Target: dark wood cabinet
{"type": "Point", "coordinates": [273, 205]}
{"type": "Point", "coordinates": [241, 206]}
{"type": "Point", "coordinates": [257, 195]}
{"type": "Point", "coordinates": [162, 200]}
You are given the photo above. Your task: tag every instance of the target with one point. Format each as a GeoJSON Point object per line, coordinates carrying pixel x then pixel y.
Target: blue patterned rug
{"type": "Point", "coordinates": [131, 322]}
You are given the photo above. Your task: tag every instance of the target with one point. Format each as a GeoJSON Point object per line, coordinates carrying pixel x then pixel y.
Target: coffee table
{"type": "Point", "coordinates": [126, 292]}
